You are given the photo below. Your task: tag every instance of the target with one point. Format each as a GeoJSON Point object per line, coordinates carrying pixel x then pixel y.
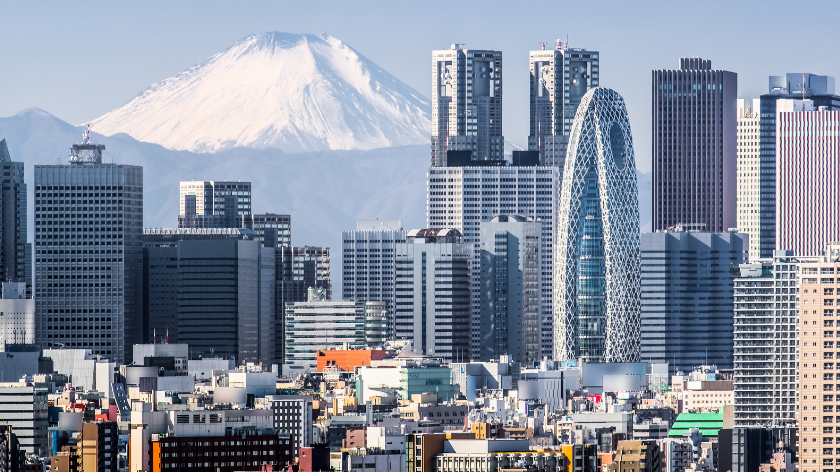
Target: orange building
{"type": "Point", "coordinates": [348, 360]}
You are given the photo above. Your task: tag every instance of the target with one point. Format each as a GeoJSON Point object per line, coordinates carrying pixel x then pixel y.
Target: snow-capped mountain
{"type": "Point", "coordinates": [295, 92]}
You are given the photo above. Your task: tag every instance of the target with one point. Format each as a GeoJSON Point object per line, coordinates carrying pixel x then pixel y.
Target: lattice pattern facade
{"type": "Point", "coordinates": [597, 264]}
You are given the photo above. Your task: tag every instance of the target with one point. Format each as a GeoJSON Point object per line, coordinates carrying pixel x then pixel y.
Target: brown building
{"type": "Point", "coordinates": [637, 456]}
{"type": "Point", "coordinates": [241, 451]}
{"type": "Point", "coordinates": [98, 447]}
{"type": "Point", "coordinates": [67, 460]}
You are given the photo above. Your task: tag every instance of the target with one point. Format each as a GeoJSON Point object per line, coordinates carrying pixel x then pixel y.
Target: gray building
{"type": "Point", "coordinates": [695, 146]}
{"type": "Point", "coordinates": [211, 204]}
{"type": "Point", "coordinates": [271, 229]}
{"type": "Point", "coordinates": [510, 289]}
{"type": "Point", "coordinates": [687, 300]}
{"type": "Point", "coordinates": [560, 77]}
{"type": "Point", "coordinates": [467, 103]}
{"type": "Point", "coordinates": [89, 254]}
{"type": "Point", "coordinates": [433, 293]}
{"type": "Point", "coordinates": [23, 406]}
{"type": "Point", "coordinates": [316, 326]}
{"type": "Point", "coordinates": [212, 289]}
{"type": "Point", "coordinates": [820, 89]}
{"type": "Point", "coordinates": [15, 251]}
{"type": "Point", "coordinates": [367, 262]}
{"type": "Point", "coordinates": [767, 321]}
{"type": "Point", "coordinates": [293, 414]}
{"type": "Point", "coordinates": [17, 315]}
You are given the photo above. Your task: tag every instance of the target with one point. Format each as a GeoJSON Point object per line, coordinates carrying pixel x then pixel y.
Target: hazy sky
{"type": "Point", "coordinates": [79, 60]}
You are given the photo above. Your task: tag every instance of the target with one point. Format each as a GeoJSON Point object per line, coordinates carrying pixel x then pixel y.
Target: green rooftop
{"type": "Point", "coordinates": [708, 423]}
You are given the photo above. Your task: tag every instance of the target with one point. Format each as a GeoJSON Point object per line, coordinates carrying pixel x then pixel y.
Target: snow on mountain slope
{"type": "Point", "coordinates": [295, 92]}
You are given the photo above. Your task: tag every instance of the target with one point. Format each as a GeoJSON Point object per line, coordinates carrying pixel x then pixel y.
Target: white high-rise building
{"type": "Point", "coordinates": [767, 324]}
{"type": "Point", "coordinates": [463, 197]}
{"type": "Point", "coordinates": [467, 103]}
{"type": "Point", "coordinates": [560, 77]}
{"type": "Point", "coordinates": [749, 170]}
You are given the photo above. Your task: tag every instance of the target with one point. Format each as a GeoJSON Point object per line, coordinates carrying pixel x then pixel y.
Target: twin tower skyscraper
{"type": "Point", "coordinates": [583, 131]}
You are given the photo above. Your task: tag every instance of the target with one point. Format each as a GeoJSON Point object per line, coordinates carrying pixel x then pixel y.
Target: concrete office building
{"type": "Point", "coordinates": [215, 287]}
{"type": "Point", "coordinates": [510, 289]}
{"type": "Point", "coordinates": [808, 176]}
{"type": "Point", "coordinates": [89, 254]}
{"type": "Point", "coordinates": [320, 326]}
{"type": "Point", "coordinates": [818, 353]}
{"type": "Point", "coordinates": [596, 278]}
{"type": "Point", "coordinates": [749, 173]}
{"type": "Point", "coordinates": [293, 414]}
{"type": "Point", "coordinates": [367, 262]}
{"type": "Point", "coordinates": [461, 197]}
{"type": "Point", "coordinates": [793, 86]}
{"type": "Point", "coordinates": [270, 229]}
{"type": "Point", "coordinates": [23, 406]}
{"type": "Point", "coordinates": [210, 204]}
{"type": "Point", "coordinates": [297, 269]}
{"type": "Point", "coordinates": [15, 251]}
{"type": "Point", "coordinates": [695, 146]}
{"type": "Point", "coordinates": [433, 293]}
{"type": "Point", "coordinates": [687, 300]}
{"type": "Point", "coordinates": [560, 77]}
{"type": "Point", "coordinates": [767, 321]}
{"type": "Point", "coordinates": [17, 315]}
{"type": "Point", "coordinates": [467, 103]}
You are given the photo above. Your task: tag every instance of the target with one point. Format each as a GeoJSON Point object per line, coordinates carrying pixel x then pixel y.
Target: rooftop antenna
{"type": "Point", "coordinates": [542, 43]}
{"type": "Point", "coordinates": [86, 134]}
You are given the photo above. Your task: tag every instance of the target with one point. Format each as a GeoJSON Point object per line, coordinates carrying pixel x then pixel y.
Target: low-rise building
{"type": "Point", "coordinates": [23, 406]}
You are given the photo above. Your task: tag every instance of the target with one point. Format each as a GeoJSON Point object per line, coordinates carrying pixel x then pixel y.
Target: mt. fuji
{"type": "Point", "coordinates": [294, 92]}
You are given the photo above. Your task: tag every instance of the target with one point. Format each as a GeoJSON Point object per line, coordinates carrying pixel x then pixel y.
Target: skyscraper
{"type": "Point", "coordinates": [510, 289]}
{"type": "Point", "coordinates": [793, 86]}
{"type": "Point", "coordinates": [695, 146]}
{"type": "Point", "coordinates": [559, 79]}
{"type": "Point", "coordinates": [467, 103]}
{"type": "Point", "coordinates": [214, 204]}
{"type": "Point", "coordinates": [749, 174]}
{"type": "Point", "coordinates": [462, 197]}
{"type": "Point", "coordinates": [687, 297]}
{"type": "Point", "coordinates": [16, 253]}
{"type": "Point", "coordinates": [89, 254]}
{"type": "Point", "coordinates": [433, 293]}
{"type": "Point", "coordinates": [596, 282]}
{"type": "Point", "coordinates": [271, 229]}
{"type": "Point", "coordinates": [808, 176]}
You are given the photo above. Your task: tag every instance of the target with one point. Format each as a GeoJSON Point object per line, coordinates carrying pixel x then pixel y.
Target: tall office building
{"type": "Point", "coordinates": [270, 229]}
{"type": "Point", "coordinates": [367, 262]}
{"type": "Point", "coordinates": [687, 298]}
{"type": "Point", "coordinates": [767, 321]}
{"type": "Point", "coordinates": [467, 103]}
{"type": "Point", "coordinates": [214, 204]}
{"type": "Point", "coordinates": [89, 254]}
{"type": "Point", "coordinates": [560, 78]}
{"type": "Point", "coordinates": [510, 289]}
{"type": "Point", "coordinates": [596, 281]}
{"type": "Point", "coordinates": [749, 174]}
{"type": "Point", "coordinates": [462, 197]}
{"type": "Point", "coordinates": [694, 146]}
{"type": "Point", "coordinates": [793, 86]}
{"type": "Point", "coordinates": [818, 356]}
{"type": "Point", "coordinates": [433, 293]}
{"type": "Point", "coordinates": [297, 270]}
{"type": "Point", "coordinates": [213, 289]}
{"type": "Point", "coordinates": [15, 252]}
{"type": "Point", "coordinates": [808, 176]}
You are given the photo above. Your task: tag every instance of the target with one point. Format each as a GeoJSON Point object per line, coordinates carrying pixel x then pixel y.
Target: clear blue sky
{"type": "Point", "coordinates": [78, 60]}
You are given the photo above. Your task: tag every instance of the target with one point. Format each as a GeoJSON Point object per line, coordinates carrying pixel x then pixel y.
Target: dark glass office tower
{"type": "Point", "coordinates": [16, 253]}
{"type": "Point", "coordinates": [695, 146]}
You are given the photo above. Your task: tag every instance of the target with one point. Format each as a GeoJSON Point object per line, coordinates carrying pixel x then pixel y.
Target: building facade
{"type": "Point", "coordinates": [433, 293]}
{"type": "Point", "coordinates": [210, 204]}
{"type": "Point", "coordinates": [596, 279]}
{"type": "Point", "coordinates": [749, 173]}
{"type": "Point", "coordinates": [694, 146]}
{"type": "Point", "coordinates": [320, 326]}
{"type": "Point", "coordinates": [560, 77]}
{"type": "Point", "coordinates": [463, 197]}
{"type": "Point", "coordinates": [271, 229]}
{"type": "Point", "coordinates": [687, 301]}
{"type": "Point", "coordinates": [23, 406]}
{"type": "Point", "coordinates": [467, 103]}
{"type": "Point", "coordinates": [89, 254]}
{"type": "Point", "coordinates": [15, 251]}
{"type": "Point", "coordinates": [767, 320]}
{"type": "Point", "coordinates": [808, 176]}
{"type": "Point", "coordinates": [17, 315]}
{"type": "Point", "coordinates": [510, 289]}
